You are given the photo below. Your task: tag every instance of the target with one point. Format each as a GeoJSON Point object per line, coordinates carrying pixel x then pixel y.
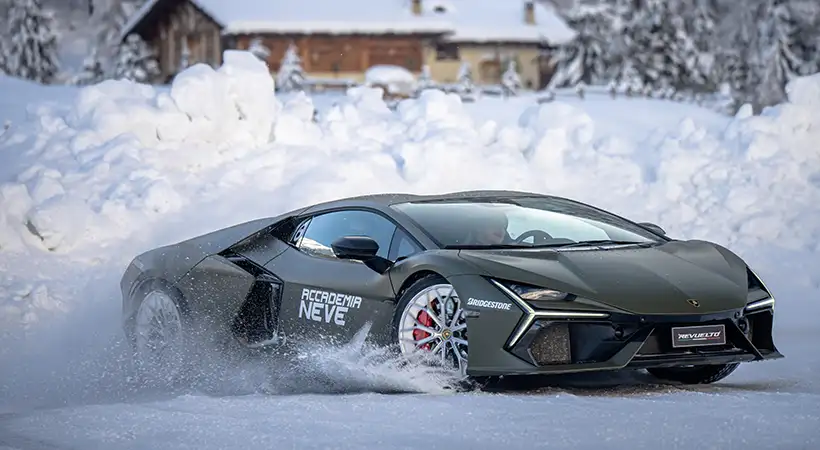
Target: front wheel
{"type": "Point", "coordinates": [694, 374]}
{"type": "Point", "coordinates": [430, 317]}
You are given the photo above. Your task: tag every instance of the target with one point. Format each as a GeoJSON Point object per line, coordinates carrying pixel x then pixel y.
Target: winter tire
{"type": "Point", "coordinates": [159, 337]}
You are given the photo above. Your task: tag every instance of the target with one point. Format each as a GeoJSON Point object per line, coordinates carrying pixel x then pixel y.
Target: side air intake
{"type": "Point", "coordinates": [257, 321]}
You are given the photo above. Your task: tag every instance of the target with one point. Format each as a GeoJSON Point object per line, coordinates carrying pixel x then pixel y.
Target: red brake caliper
{"type": "Point", "coordinates": [424, 319]}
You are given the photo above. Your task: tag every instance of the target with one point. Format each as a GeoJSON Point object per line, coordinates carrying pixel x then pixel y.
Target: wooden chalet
{"type": "Point", "coordinates": [342, 39]}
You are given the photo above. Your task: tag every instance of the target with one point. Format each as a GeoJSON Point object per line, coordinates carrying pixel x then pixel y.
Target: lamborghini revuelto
{"type": "Point", "coordinates": [491, 282]}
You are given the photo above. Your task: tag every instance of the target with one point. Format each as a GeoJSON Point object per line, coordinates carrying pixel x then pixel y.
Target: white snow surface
{"type": "Point", "coordinates": [462, 20]}
{"type": "Point", "coordinates": [115, 169]}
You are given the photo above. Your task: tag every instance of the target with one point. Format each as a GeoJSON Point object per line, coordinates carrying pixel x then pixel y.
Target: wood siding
{"type": "Point", "coordinates": [343, 53]}
{"type": "Point", "coordinates": [181, 28]}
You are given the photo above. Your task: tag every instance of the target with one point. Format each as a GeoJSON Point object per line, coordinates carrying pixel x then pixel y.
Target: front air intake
{"type": "Point", "coordinates": [551, 344]}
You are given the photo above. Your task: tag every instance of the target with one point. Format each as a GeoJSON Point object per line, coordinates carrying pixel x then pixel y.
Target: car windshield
{"type": "Point", "coordinates": [522, 223]}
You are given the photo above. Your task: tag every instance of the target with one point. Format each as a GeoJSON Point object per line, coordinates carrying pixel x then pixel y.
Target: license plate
{"type": "Point", "coordinates": [698, 336]}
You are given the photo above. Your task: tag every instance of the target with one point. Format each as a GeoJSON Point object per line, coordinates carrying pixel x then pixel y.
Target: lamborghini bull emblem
{"type": "Point", "coordinates": [693, 302]}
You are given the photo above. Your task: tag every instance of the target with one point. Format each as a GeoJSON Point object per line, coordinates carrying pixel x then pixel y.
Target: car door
{"type": "Point", "coordinates": [327, 298]}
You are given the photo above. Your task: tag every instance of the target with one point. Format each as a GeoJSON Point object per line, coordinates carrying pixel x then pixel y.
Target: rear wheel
{"type": "Point", "coordinates": [694, 374]}
{"type": "Point", "coordinates": [430, 317]}
{"type": "Point", "coordinates": [159, 338]}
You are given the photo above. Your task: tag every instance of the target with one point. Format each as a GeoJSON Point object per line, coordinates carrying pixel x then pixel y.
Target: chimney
{"type": "Point", "coordinates": [529, 12]}
{"type": "Point", "coordinates": [417, 7]}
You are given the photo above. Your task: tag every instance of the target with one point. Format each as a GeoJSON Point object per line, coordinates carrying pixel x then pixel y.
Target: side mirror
{"type": "Point", "coordinates": [360, 248]}
{"type": "Point", "coordinates": [653, 228]}
{"type": "Point", "coordinates": [355, 247]}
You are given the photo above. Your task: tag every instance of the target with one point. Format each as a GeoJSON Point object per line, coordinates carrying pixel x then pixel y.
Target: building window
{"type": "Point", "coordinates": [447, 52]}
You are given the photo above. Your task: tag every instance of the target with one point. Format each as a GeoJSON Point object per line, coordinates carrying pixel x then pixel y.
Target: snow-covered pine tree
{"type": "Point", "coordinates": [2, 54]}
{"type": "Point", "coordinates": [425, 80]}
{"type": "Point", "coordinates": [737, 54]}
{"type": "Point", "coordinates": [31, 50]}
{"type": "Point", "coordinates": [290, 76]}
{"type": "Point", "coordinates": [653, 44]}
{"type": "Point", "coordinates": [465, 78]}
{"type": "Point", "coordinates": [135, 61]}
{"type": "Point", "coordinates": [585, 57]}
{"type": "Point", "coordinates": [807, 34]}
{"type": "Point", "coordinates": [510, 79]}
{"type": "Point", "coordinates": [761, 47]}
{"type": "Point", "coordinates": [465, 86]}
{"type": "Point", "coordinates": [258, 48]}
{"type": "Point", "coordinates": [700, 17]}
{"type": "Point", "coordinates": [665, 52]}
{"type": "Point", "coordinates": [111, 17]}
{"type": "Point", "coordinates": [620, 44]}
{"type": "Point", "coordinates": [778, 62]}
{"type": "Point", "coordinates": [92, 71]}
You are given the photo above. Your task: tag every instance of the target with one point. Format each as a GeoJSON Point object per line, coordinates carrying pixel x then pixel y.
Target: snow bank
{"type": "Point", "coordinates": [130, 167]}
{"type": "Point", "coordinates": [113, 157]}
{"type": "Point", "coordinates": [397, 79]}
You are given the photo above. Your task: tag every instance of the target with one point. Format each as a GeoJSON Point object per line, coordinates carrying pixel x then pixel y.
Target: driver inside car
{"type": "Point", "coordinates": [492, 230]}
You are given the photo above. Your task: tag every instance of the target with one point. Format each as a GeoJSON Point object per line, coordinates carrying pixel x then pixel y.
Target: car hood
{"type": "Point", "coordinates": [654, 280]}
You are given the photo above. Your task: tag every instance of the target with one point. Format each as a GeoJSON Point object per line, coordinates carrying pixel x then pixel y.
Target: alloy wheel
{"type": "Point", "coordinates": [434, 321]}
{"type": "Point", "coordinates": [158, 334]}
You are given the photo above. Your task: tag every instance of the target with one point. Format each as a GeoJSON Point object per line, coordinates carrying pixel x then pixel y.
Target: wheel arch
{"type": "Point", "coordinates": [413, 278]}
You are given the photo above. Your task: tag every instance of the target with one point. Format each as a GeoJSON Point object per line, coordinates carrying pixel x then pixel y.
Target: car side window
{"type": "Point", "coordinates": [326, 228]}
{"type": "Point", "coordinates": [402, 246]}
{"type": "Point", "coordinates": [299, 232]}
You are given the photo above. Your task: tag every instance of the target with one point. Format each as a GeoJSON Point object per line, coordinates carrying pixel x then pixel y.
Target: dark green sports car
{"type": "Point", "coordinates": [492, 282]}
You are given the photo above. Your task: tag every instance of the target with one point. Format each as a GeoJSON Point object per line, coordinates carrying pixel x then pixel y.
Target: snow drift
{"type": "Point", "coordinates": [127, 167]}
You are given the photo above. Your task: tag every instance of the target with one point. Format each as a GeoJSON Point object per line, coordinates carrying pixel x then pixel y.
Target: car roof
{"type": "Point", "coordinates": [388, 199]}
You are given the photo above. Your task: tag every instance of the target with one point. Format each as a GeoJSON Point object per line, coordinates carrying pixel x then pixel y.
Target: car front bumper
{"type": "Point", "coordinates": [567, 345]}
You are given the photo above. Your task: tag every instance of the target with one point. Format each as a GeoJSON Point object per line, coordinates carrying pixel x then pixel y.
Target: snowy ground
{"type": "Point", "coordinates": [93, 177]}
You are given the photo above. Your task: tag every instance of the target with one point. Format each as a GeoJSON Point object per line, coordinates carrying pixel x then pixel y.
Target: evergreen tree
{"type": "Point", "coordinates": [621, 44]}
{"type": "Point", "coordinates": [135, 61]}
{"type": "Point", "coordinates": [701, 23]}
{"type": "Point", "coordinates": [465, 78]}
{"type": "Point", "coordinates": [110, 21]}
{"type": "Point", "coordinates": [585, 58]}
{"type": "Point", "coordinates": [290, 76]}
{"type": "Point", "coordinates": [664, 52]}
{"type": "Point", "coordinates": [778, 62]}
{"type": "Point", "coordinates": [425, 79]}
{"type": "Point", "coordinates": [699, 52]}
{"type": "Point", "coordinates": [92, 71]}
{"type": "Point", "coordinates": [258, 48]}
{"type": "Point", "coordinates": [806, 41]}
{"type": "Point", "coordinates": [510, 79]}
{"type": "Point", "coordinates": [31, 51]}
{"type": "Point", "coordinates": [737, 54]}
{"type": "Point", "coordinates": [762, 46]}
{"type": "Point", "coordinates": [2, 54]}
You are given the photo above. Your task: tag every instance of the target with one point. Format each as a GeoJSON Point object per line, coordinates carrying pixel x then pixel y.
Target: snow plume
{"type": "Point", "coordinates": [359, 366]}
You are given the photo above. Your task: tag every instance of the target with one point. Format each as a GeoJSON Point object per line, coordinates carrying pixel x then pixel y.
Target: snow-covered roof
{"type": "Point", "coordinates": [499, 20]}
{"type": "Point", "coordinates": [460, 20]}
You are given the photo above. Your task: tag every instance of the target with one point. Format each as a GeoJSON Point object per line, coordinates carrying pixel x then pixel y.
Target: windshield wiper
{"type": "Point", "coordinates": [599, 242]}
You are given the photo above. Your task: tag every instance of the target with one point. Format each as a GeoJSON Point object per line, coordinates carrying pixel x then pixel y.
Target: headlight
{"type": "Point", "coordinates": [536, 293]}
{"type": "Point", "coordinates": [755, 283]}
